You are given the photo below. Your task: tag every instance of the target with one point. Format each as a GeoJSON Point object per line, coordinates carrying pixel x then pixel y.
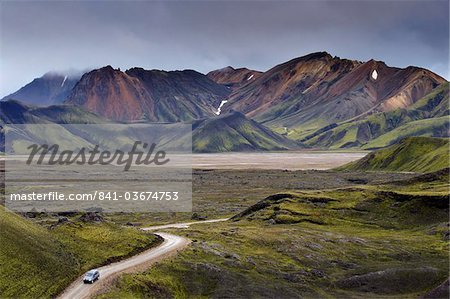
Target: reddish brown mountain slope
{"type": "Point", "coordinates": [319, 89]}
{"type": "Point", "coordinates": [233, 78]}
{"type": "Point", "coordinates": [113, 94]}
{"type": "Point", "coordinates": [288, 80]}
{"type": "Point", "coordinates": [138, 94]}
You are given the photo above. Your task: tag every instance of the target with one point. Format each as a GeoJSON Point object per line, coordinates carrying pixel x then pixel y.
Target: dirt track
{"type": "Point", "coordinates": [171, 245]}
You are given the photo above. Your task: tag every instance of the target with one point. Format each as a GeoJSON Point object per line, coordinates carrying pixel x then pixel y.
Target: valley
{"type": "Point", "coordinates": [351, 235]}
{"type": "Point", "coordinates": [292, 233]}
{"type": "Point", "coordinates": [287, 160]}
{"type": "Point", "coordinates": [224, 149]}
{"type": "Point", "coordinates": [332, 172]}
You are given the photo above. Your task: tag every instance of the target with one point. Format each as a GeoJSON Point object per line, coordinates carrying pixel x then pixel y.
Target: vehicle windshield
{"type": "Point", "coordinates": [90, 274]}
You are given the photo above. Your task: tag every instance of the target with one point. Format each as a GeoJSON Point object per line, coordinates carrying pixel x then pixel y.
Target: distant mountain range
{"type": "Point", "coordinates": [52, 88]}
{"type": "Point", "coordinates": [316, 100]}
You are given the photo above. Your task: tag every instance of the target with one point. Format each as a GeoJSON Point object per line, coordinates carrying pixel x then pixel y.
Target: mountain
{"type": "Point", "coordinates": [430, 127]}
{"type": "Point", "coordinates": [234, 132]}
{"type": "Point", "coordinates": [426, 117]}
{"type": "Point", "coordinates": [283, 82]}
{"type": "Point", "coordinates": [316, 90]}
{"type": "Point", "coordinates": [149, 95]}
{"type": "Point", "coordinates": [14, 112]}
{"type": "Point", "coordinates": [298, 96]}
{"type": "Point", "coordinates": [63, 132]}
{"type": "Point", "coordinates": [233, 78]}
{"type": "Point", "coordinates": [317, 99]}
{"type": "Point", "coordinates": [227, 132]}
{"type": "Point", "coordinates": [418, 154]}
{"type": "Point", "coordinates": [52, 88]}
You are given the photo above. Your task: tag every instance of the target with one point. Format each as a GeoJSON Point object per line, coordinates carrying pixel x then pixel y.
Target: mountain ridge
{"type": "Point", "coordinates": [151, 95]}
{"type": "Point", "coordinates": [50, 89]}
{"type": "Point", "coordinates": [315, 90]}
{"type": "Point", "coordinates": [228, 132]}
{"type": "Point", "coordinates": [367, 130]}
{"type": "Point", "coordinates": [319, 99]}
{"type": "Point", "coordinates": [233, 78]}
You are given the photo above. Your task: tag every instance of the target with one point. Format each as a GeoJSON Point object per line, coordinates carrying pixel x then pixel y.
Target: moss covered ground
{"type": "Point", "coordinates": [386, 240]}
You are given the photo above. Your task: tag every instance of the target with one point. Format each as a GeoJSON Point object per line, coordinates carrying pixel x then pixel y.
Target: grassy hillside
{"type": "Point", "coordinates": [38, 261]}
{"type": "Point", "coordinates": [235, 132]}
{"type": "Point", "coordinates": [354, 242]}
{"type": "Point", "coordinates": [418, 154]}
{"type": "Point", "coordinates": [33, 262]}
{"type": "Point", "coordinates": [63, 130]}
{"type": "Point", "coordinates": [427, 117]}
{"type": "Point", "coordinates": [430, 127]}
{"type": "Point", "coordinates": [14, 112]}
{"type": "Point", "coordinates": [228, 132]}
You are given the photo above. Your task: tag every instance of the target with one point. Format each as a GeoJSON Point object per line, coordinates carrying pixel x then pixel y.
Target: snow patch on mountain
{"type": "Point", "coordinates": [219, 109]}
{"type": "Point", "coordinates": [64, 81]}
{"type": "Point", "coordinates": [374, 74]}
{"type": "Point", "coordinates": [251, 76]}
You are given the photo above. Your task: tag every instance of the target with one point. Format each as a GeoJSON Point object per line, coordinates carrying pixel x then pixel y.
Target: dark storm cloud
{"type": "Point", "coordinates": [40, 36]}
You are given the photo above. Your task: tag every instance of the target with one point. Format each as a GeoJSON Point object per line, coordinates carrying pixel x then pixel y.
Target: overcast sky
{"type": "Point", "coordinates": [39, 36]}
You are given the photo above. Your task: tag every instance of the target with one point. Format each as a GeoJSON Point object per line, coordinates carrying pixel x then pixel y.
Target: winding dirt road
{"type": "Point", "coordinates": [170, 246]}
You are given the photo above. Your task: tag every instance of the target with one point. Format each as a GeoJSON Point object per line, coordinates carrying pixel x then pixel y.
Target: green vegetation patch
{"type": "Point", "coordinates": [33, 263]}
{"type": "Point", "coordinates": [427, 117]}
{"type": "Point", "coordinates": [39, 261]}
{"type": "Point", "coordinates": [371, 241]}
{"type": "Point", "coordinates": [418, 154]}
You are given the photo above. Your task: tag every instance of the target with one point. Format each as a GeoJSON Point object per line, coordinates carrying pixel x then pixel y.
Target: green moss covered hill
{"type": "Point", "coordinates": [234, 132]}
{"type": "Point", "coordinates": [360, 241]}
{"type": "Point", "coordinates": [39, 261]}
{"type": "Point", "coordinates": [427, 117]}
{"type": "Point", "coordinates": [228, 132]}
{"type": "Point", "coordinates": [31, 258]}
{"type": "Point", "coordinates": [417, 154]}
